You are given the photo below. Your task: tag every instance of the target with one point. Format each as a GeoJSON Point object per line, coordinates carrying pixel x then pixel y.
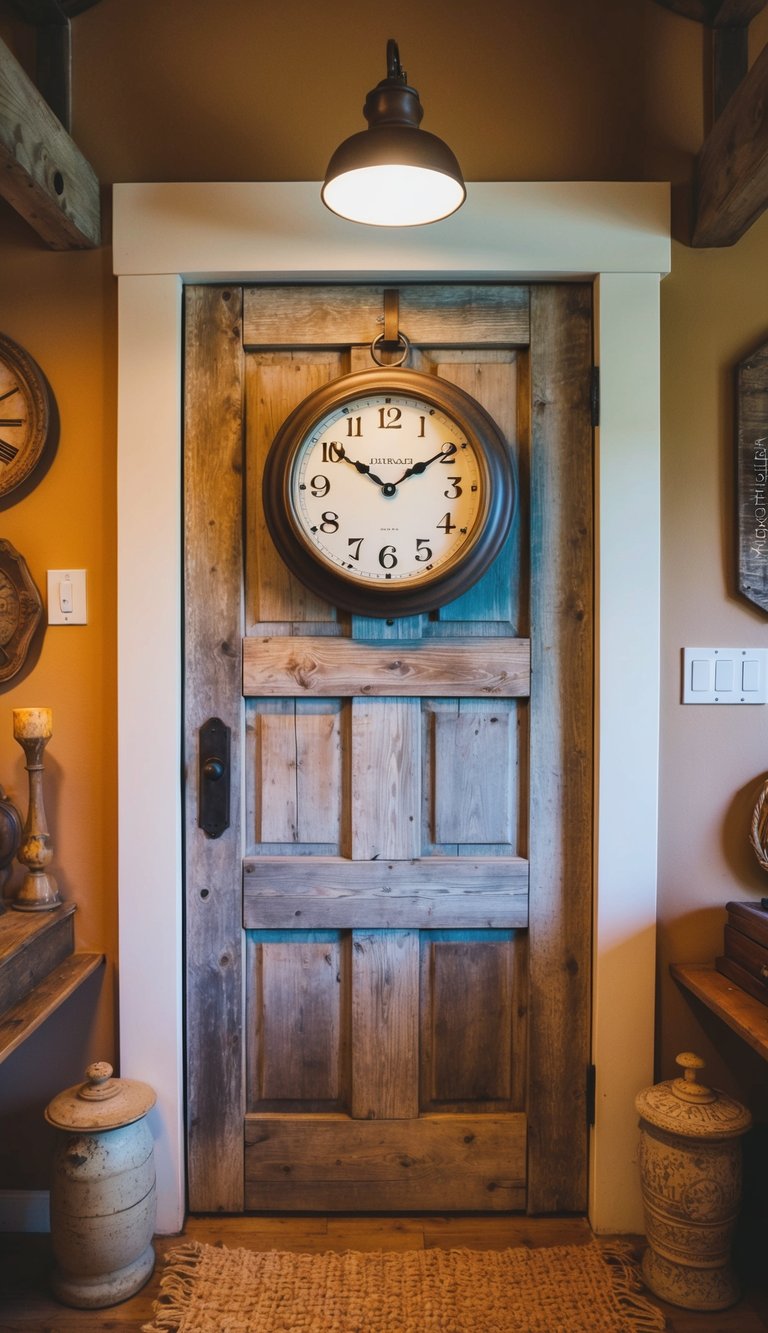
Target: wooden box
{"type": "Point", "coordinates": [745, 960]}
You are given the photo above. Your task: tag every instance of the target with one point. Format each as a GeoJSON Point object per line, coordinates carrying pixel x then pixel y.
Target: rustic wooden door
{"type": "Point", "coordinates": [388, 948]}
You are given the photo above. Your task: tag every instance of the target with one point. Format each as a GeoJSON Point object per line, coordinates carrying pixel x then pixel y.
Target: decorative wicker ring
{"type": "Point", "coordinates": [758, 834]}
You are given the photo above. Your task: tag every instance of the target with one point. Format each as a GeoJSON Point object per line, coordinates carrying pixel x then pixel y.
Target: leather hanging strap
{"type": "Point", "coordinates": [391, 341]}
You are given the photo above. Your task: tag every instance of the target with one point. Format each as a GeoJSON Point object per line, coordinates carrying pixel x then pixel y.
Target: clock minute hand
{"type": "Point", "coordinates": [417, 468]}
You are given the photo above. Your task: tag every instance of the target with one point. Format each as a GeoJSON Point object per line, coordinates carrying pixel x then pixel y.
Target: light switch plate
{"type": "Point", "coordinates": [66, 589]}
{"type": "Point", "coordinates": [725, 675]}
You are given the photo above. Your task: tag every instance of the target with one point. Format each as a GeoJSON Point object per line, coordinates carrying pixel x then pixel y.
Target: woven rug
{"type": "Point", "coordinates": [565, 1289]}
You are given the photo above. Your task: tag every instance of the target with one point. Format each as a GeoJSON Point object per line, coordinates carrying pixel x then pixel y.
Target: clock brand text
{"type": "Point", "coordinates": [392, 460]}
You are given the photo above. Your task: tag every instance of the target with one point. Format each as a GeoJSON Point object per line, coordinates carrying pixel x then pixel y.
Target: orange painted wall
{"type": "Point", "coordinates": [233, 90]}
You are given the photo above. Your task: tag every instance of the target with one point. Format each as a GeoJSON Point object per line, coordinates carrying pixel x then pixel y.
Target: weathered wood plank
{"type": "Point", "coordinates": [385, 1025]}
{"type": "Point", "coordinates": [31, 945]}
{"type": "Point", "coordinates": [746, 1016]}
{"type": "Point", "coordinates": [334, 893]}
{"type": "Point", "coordinates": [435, 1162]}
{"type": "Point", "coordinates": [459, 315]}
{"type": "Point", "coordinates": [273, 389]}
{"type": "Point", "coordinates": [496, 597]}
{"type": "Point", "coordinates": [385, 775]}
{"type": "Point", "coordinates": [24, 1018]}
{"type": "Point", "coordinates": [468, 1055]}
{"type": "Point", "coordinates": [277, 803]}
{"type": "Point", "coordinates": [473, 780]}
{"type": "Point", "coordinates": [731, 185]}
{"type": "Point", "coordinates": [43, 174]}
{"type": "Point", "coordinates": [323, 665]}
{"type": "Point", "coordinates": [296, 1029]}
{"type": "Point", "coordinates": [213, 634]}
{"type": "Point", "coordinates": [561, 776]}
{"type": "Point", "coordinates": [752, 476]}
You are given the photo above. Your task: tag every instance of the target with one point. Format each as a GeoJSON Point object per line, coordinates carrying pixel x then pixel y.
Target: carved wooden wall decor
{"type": "Point", "coordinates": [752, 475]}
{"type": "Point", "coordinates": [21, 610]}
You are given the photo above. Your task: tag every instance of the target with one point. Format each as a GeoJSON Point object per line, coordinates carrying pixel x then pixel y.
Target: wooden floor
{"type": "Point", "coordinates": [26, 1305]}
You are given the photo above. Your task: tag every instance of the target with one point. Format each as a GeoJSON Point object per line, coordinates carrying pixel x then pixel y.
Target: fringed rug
{"type": "Point", "coordinates": [566, 1289]}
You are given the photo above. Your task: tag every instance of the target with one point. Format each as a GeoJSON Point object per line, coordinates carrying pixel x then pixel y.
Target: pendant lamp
{"type": "Point", "coordinates": [393, 174]}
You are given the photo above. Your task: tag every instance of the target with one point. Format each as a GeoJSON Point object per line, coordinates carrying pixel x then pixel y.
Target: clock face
{"type": "Point", "coordinates": [28, 421]}
{"type": "Point", "coordinates": [383, 489]}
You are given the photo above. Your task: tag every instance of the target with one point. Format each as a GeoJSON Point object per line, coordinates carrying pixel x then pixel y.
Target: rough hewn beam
{"type": "Point", "coordinates": [43, 174]}
{"type": "Point", "coordinates": [716, 13]}
{"type": "Point", "coordinates": [731, 186]}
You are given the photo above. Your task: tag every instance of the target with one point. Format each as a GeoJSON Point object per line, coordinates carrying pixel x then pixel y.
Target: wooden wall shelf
{"type": "Point", "coordinates": [747, 1017]}
{"type": "Point", "coordinates": [19, 1022]}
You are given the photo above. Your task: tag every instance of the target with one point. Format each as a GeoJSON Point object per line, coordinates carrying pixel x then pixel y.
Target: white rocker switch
{"type": "Point", "coordinates": [67, 597]}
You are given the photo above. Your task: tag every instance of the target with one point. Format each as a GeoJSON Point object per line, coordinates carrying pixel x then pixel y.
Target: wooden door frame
{"type": "Point", "coordinates": [618, 236]}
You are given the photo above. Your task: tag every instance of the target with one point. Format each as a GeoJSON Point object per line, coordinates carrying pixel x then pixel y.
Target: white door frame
{"type": "Point", "coordinates": [614, 234]}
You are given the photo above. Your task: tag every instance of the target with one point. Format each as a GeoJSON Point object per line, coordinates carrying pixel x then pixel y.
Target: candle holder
{"type": "Point", "coordinates": [33, 728]}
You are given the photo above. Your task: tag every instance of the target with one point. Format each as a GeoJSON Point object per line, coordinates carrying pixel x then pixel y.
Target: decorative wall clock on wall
{"type": "Point", "coordinates": [389, 492]}
{"type": "Point", "coordinates": [21, 610]}
{"type": "Point", "coordinates": [29, 422]}
{"type": "Point", "coordinates": [752, 475]}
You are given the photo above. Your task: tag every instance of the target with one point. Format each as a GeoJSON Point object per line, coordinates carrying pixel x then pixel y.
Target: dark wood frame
{"type": "Point", "coordinates": [20, 476]}
{"type": "Point", "coordinates": [13, 652]}
{"type": "Point", "coordinates": [429, 591]}
{"type": "Point", "coordinates": [752, 476]}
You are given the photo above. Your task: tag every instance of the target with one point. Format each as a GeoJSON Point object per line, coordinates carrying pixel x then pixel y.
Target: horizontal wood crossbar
{"type": "Point", "coordinates": [292, 316]}
{"type": "Point", "coordinates": [312, 893]}
{"type": "Point", "coordinates": [43, 174]}
{"type": "Point", "coordinates": [335, 667]}
{"type": "Point", "coordinates": [435, 1162]}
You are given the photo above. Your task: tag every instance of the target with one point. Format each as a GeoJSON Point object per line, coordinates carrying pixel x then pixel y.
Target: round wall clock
{"type": "Point", "coordinates": [29, 423]}
{"type": "Point", "coordinates": [389, 492]}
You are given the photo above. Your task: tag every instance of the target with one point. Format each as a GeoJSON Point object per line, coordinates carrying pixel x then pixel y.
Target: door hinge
{"type": "Point", "coordinates": [590, 1100]}
{"type": "Point", "coordinates": [594, 396]}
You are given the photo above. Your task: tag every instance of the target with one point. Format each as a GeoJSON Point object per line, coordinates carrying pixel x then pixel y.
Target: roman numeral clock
{"type": "Point", "coordinates": [29, 423]}
{"type": "Point", "coordinates": [389, 492]}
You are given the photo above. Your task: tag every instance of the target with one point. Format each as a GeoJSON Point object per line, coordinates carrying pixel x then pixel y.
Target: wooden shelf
{"type": "Point", "coordinates": [744, 1015]}
{"type": "Point", "coordinates": [19, 1022]}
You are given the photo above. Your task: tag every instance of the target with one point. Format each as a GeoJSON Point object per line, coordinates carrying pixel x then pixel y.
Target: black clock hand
{"type": "Point", "coordinates": [418, 468]}
{"type": "Point", "coordinates": [363, 468]}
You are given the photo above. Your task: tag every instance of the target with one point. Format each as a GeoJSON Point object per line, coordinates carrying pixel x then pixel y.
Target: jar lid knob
{"type": "Point", "coordinates": [687, 1087]}
{"type": "Point", "coordinates": [101, 1085]}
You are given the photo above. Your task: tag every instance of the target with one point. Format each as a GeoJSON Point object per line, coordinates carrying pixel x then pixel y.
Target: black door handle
{"type": "Point", "coordinates": [213, 773]}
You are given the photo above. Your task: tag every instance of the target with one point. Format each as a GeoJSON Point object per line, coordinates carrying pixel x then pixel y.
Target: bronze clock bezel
{"type": "Point", "coordinates": [19, 476]}
{"type": "Point", "coordinates": [452, 579]}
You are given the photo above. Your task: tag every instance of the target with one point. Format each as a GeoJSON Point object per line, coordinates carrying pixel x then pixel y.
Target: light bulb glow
{"type": "Point", "coordinates": [392, 195]}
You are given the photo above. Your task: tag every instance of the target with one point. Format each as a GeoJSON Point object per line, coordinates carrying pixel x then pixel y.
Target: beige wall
{"type": "Point", "coordinates": [237, 90]}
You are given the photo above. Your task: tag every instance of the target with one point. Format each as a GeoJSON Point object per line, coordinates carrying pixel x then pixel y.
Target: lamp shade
{"type": "Point", "coordinates": [393, 174]}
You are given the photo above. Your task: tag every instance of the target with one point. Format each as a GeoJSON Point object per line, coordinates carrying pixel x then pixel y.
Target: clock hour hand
{"type": "Point", "coordinates": [363, 468]}
{"type": "Point", "coordinates": [417, 468]}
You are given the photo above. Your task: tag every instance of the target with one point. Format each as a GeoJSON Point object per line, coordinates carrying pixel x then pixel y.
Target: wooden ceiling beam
{"type": "Point", "coordinates": [43, 174]}
{"type": "Point", "coordinates": [731, 182]}
{"type": "Point", "coordinates": [716, 13]}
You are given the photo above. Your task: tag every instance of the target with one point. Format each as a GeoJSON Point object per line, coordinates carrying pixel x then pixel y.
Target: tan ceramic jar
{"type": "Point", "coordinates": [690, 1171]}
{"type": "Point", "coordinates": [103, 1204]}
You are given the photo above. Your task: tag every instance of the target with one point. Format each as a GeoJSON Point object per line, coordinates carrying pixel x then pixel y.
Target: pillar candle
{"type": "Point", "coordinates": [30, 723]}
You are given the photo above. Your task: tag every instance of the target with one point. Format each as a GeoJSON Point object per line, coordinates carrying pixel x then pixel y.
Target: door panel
{"type": "Point", "coordinates": [389, 772]}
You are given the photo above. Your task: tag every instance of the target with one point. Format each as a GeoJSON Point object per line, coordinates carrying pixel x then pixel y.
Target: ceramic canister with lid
{"type": "Point", "coordinates": [690, 1171]}
{"type": "Point", "coordinates": [103, 1203]}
